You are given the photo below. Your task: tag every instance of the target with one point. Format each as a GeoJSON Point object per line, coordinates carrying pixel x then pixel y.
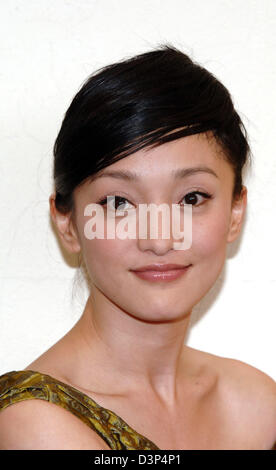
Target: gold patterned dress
{"type": "Point", "coordinates": [16, 386]}
{"type": "Point", "coordinates": [22, 385]}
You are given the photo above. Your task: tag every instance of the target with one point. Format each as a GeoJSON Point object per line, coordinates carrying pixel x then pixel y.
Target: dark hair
{"type": "Point", "coordinates": [132, 104]}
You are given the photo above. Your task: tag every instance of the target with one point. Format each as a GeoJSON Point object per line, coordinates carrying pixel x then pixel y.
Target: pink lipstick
{"type": "Point", "coordinates": [161, 272]}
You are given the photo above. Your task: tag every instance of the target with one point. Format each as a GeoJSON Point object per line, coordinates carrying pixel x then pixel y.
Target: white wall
{"type": "Point", "coordinates": [47, 49]}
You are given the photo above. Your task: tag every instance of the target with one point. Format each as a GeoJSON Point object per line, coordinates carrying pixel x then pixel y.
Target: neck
{"type": "Point", "coordinates": [140, 355]}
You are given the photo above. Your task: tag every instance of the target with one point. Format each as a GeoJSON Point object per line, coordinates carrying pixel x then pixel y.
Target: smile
{"type": "Point", "coordinates": [156, 276]}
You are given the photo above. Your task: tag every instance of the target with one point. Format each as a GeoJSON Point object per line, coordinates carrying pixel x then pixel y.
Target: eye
{"type": "Point", "coordinates": [193, 197]}
{"type": "Point", "coordinates": [117, 202]}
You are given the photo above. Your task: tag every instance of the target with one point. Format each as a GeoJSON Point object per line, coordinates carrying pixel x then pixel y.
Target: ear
{"type": "Point", "coordinates": [65, 227]}
{"type": "Point", "coordinates": [237, 215]}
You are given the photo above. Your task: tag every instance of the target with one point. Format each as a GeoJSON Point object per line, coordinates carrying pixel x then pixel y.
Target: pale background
{"type": "Point", "coordinates": [47, 49]}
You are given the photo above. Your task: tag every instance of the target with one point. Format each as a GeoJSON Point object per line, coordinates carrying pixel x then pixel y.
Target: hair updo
{"type": "Point", "coordinates": [126, 106]}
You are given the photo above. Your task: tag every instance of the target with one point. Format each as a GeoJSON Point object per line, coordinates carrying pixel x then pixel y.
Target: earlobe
{"type": "Point", "coordinates": [65, 227]}
{"type": "Point", "coordinates": [237, 215]}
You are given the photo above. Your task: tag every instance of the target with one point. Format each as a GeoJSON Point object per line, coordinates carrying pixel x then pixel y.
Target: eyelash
{"type": "Point", "coordinates": [103, 201]}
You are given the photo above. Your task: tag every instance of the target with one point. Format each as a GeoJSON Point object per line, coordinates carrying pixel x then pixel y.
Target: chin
{"type": "Point", "coordinates": [163, 313]}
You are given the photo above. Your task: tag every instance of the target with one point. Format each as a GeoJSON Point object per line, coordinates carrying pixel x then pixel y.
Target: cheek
{"type": "Point", "coordinates": [107, 263]}
{"type": "Point", "coordinates": [104, 258]}
{"type": "Point", "coordinates": [209, 242]}
{"type": "Point", "coordinates": [101, 256]}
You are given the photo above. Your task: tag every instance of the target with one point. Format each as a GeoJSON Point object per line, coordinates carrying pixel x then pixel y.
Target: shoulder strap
{"type": "Point", "coordinates": [22, 385]}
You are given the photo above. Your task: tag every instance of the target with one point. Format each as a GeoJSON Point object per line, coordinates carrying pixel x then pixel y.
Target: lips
{"type": "Point", "coordinates": [160, 267]}
{"type": "Point", "coordinates": [161, 272]}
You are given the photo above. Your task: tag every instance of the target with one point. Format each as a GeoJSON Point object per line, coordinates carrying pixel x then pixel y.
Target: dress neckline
{"type": "Point", "coordinates": [78, 395]}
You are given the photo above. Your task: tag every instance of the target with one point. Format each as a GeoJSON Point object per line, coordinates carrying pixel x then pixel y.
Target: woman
{"type": "Point", "coordinates": [156, 128]}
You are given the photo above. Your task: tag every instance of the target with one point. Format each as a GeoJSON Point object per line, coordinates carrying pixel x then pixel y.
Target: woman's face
{"type": "Point", "coordinates": [215, 222]}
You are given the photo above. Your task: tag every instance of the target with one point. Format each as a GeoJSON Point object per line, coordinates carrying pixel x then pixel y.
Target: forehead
{"type": "Point", "coordinates": [195, 154]}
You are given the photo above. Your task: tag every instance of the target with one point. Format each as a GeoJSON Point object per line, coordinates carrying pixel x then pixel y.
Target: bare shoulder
{"type": "Point", "coordinates": [246, 397]}
{"type": "Point", "coordinates": [239, 376]}
{"type": "Point", "coordinates": [39, 425]}
{"type": "Point", "coordinates": [249, 381]}
{"type": "Point", "coordinates": [250, 397]}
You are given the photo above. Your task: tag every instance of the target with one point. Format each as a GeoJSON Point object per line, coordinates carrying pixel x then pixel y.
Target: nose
{"type": "Point", "coordinates": [159, 247]}
{"type": "Point", "coordinates": [156, 230]}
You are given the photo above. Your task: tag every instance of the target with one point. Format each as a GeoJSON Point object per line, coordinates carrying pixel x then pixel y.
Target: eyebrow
{"type": "Point", "coordinates": [130, 176]}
